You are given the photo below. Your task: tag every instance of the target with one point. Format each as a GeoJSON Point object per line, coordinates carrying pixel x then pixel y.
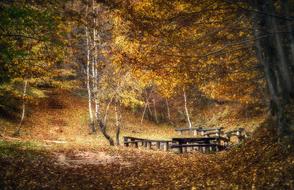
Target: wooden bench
{"type": "Point", "coordinates": [197, 140]}
{"type": "Point", "coordinates": [199, 146]}
{"type": "Point", "coordinates": [201, 131]}
{"type": "Point", "coordinates": [195, 130]}
{"type": "Point", "coordinates": [200, 142]}
{"type": "Point", "coordinates": [212, 131]}
{"type": "Point", "coordinates": [148, 143]}
{"type": "Point", "coordinates": [133, 140]}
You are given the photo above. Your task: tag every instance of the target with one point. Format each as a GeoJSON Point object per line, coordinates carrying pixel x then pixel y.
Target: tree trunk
{"type": "Point", "coordinates": [282, 60]}
{"type": "Point", "coordinates": [17, 132]}
{"type": "Point", "coordinates": [146, 105]}
{"type": "Point", "coordinates": [268, 53]}
{"type": "Point", "coordinates": [104, 132]}
{"type": "Point", "coordinates": [144, 111]}
{"type": "Point", "coordinates": [91, 120]}
{"type": "Point", "coordinates": [107, 109]}
{"type": "Point", "coordinates": [94, 48]}
{"type": "Point", "coordinates": [290, 34]}
{"type": "Point", "coordinates": [117, 124]}
{"type": "Point", "coordinates": [167, 109]}
{"type": "Point", "coordinates": [186, 109]}
{"type": "Point", "coordinates": [155, 111]}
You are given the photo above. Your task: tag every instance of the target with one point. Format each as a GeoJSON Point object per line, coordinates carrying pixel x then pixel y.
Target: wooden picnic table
{"type": "Point", "coordinates": [202, 142]}
{"type": "Point", "coordinates": [197, 139]}
{"type": "Point", "coordinates": [200, 130]}
{"type": "Point", "coordinates": [147, 142]}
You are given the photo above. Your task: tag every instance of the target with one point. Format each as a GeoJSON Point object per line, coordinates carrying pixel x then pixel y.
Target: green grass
{"type": "Point", "coordinates": [12, 148]}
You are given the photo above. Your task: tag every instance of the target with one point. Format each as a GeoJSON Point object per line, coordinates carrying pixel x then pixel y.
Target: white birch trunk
{"type": "Point", "coordinates": [186, 109]}
{"type": "Point", "coordinates": [94, 49]}
{"type": "Point", "coordinates": [117, 123]}
{"type": "Point", "coordinates": [23, 107]}
{"type": "Point", "coordinates": [91, 121]}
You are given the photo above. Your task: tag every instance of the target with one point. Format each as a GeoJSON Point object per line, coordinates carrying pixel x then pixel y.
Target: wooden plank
{"type": "Point", "coordinates": [187, 129]}
{"type": "Point", "coordinates": [191, 140]}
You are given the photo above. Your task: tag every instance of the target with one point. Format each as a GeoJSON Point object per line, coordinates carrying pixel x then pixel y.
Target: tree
{"type": "Point", "coordinates": [31, 47]}
{"type": "Point", "coordinates": [273, 48]}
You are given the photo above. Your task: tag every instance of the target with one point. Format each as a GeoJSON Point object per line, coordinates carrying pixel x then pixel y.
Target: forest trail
{"type": "Point", "coordinates": [111, 169]}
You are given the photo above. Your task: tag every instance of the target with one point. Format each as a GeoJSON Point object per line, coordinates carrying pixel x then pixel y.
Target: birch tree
{"type": "Point", "coordinates": [88, 81]}
{"type": "Point", "coordinates": [24, 94]}
{"type": "Point", "coordinates": [186, 109]}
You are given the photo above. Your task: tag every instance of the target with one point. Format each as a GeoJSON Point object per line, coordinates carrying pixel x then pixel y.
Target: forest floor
{"type": "Point", "coordinates": [55, 151]}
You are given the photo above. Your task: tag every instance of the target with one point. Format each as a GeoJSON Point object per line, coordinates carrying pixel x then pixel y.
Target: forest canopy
{"type": "Point", "coordinates": [103, 93]}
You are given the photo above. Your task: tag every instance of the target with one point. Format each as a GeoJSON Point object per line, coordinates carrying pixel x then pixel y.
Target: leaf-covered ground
{"type": "Point", "coordinates": [56, 152]}
{"type": "Point", "coordinates": [266, 165]}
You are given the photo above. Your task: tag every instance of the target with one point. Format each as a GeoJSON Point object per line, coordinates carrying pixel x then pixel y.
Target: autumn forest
{"type": "Point", "coordinates": [146, 94]}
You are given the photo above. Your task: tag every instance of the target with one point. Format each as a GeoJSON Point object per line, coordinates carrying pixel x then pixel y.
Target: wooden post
{"type": "Point", "coordinates": [203, 149]}
{"type": "Point", "coordinates": [126, 141]}
{"type": "Point", "coordinates": [195, 132]}
{"type": "Point", "coordinates": [148, 145]}
{"type": "Point", "coordinates": [185, 149]}
{"type": "Point", "coordinates": [166, 146]}
{"type": "Point", "coordinates": [158, 145]}
{"type": "Point", "coordinates": [180, 149]}
{"type": "Point", "coordinates": [197, 148]}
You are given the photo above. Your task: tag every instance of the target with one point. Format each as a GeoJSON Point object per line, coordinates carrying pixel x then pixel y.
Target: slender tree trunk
{"type": "Point", "coordinates": [150, 112]}
{"type": "Point", "coordinates": [101, 124]}
{"type": "Point", "coordinates": [186, 109]}
{"type": "Point", "coordinates": [146, 105]}
{"type": "Point", "coordinates": [107, 109]}
{"type": "Point", "coordinates": [144, 111]}
{"type": "Point", "coordinates": [91, 120]}
{"type": "Point", "coordinates": [167, 109]}
{"type": "Point", "coordinates": [94, 48]}
{"type": "Point", "coordinates": [102, 127]}
{"type": "Point", "coordinates": [117, 123]}
{"type": "Point", "coordinates": [155, 111]}
{"type": "Point", "coordinates": [17, 132]}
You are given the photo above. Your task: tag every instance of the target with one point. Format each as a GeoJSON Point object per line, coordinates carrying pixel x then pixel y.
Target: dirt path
{"type": "Point", "coordinates": [81, 158]}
